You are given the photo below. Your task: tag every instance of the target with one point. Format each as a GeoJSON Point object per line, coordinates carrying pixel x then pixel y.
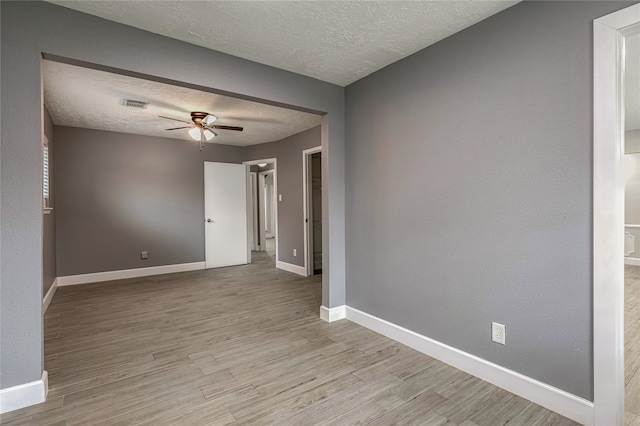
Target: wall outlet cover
{"type": "Point", "coordinates": [144, 255]}
{"type": "Point", "coordinates": [498, 333]}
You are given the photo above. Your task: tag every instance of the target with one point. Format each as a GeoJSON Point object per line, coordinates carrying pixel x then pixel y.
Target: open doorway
{"type": "Point", "coordinates": [263, 210]}
{"type": "Point", "coordinates": [266, 202]}
{"type": "Point", "coordinates": [312, 172]}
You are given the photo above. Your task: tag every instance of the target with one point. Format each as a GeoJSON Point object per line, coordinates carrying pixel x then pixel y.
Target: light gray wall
{"type": "Point", "coordinates": [30, 28]}
{"type": "Point", "coordinates": [118, 194]}
{"type": "Point", "coordinates": [288, 151]}
{"type": "Point", "coordinates": [469, 176]}
{"type": "Point", "coordinates": [49, 272]}
{"type": "Point", "coordinates": [632, 141]}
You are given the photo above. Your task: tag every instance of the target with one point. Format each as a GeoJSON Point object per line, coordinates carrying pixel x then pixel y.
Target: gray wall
{"type": "Point", "coordinates": [49, 272]}
{"type": "Point", "coordinates": [118, 194]}
{"type": "Point", "coordinates": [632, 141]}
{"type": "Point", "coordinates": [31, 28]}
{"type": "Point", "coordinates": [288, 151]}
{"type": "Point", "coordinates": [469, 176]}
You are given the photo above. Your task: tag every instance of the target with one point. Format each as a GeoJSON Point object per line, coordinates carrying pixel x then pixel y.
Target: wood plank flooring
{"type": "Point", "coordinates": [243, 346]}
{"type": "Point", "coordinates": [632, 344]}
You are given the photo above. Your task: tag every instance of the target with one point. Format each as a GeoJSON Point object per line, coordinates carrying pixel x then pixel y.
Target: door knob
{"type": "Point", "coordinates": [209, 220]}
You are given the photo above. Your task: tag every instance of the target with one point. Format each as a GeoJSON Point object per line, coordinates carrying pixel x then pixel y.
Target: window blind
{"type": "Point", "coordinates": [45, 171]}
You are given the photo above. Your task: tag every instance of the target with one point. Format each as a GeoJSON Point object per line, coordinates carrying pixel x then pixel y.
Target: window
{"type": "Point", "coordinates": [45, 176]}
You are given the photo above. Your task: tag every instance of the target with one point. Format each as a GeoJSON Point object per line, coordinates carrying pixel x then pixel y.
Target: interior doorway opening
{"type": "Point", "coordinates": [262, 212]}
{"type": "Point", "coordinates": [312, 184]}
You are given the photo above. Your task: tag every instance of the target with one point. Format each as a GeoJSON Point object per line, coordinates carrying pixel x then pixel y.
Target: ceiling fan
{"type": "Point", "coordinates": [202, 127]}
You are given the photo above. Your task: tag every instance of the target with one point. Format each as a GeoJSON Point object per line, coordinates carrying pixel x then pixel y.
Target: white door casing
{"type": "Point", "coordinates": [225, 207]}
{"type": "Point", "coordinates": [609, 34]}
{"type": "Point", "coordinates": [253, 207]}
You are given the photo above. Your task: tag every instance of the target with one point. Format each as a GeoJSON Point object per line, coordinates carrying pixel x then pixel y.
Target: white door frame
{"type": "Point", "coordinates": [273, 161]}
{"type": "Point", "coordinates": [308, 213]}
{"type": "Point", "coordinates": [264, 175]}
{"type": "Point", "coordinates": [609, 33]}
{"type": "Point", "coordinates": [253, 193]}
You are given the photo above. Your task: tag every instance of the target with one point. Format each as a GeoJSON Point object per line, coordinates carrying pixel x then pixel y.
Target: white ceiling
{"type": "Point", "coordinates": [82, 97]}
{"type": "Point", "coordinates": [334, 41]}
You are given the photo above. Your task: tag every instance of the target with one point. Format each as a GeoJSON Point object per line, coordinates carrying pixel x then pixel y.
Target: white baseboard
{"type": "Point", "coordinates": [632, 261]}
{"type": "Point", "coordinates": [332, 314]}
{"type": "Point", "coordinates": [300, 270]}
{"type": "Point", "coordinates": [554, 399]}
{"type": "Point", "coordinates": [128, 273]}
{"type": "Point", "coordinates": [46, 300]}
{"type": "Point", "coordinates": [24, 395]}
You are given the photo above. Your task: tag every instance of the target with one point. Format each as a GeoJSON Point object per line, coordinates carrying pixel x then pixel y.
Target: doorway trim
{"type": "Point", "coordinates": [252, 191]}
{"type": "Point", "coordinates": [262, 177]}
{"type": "Point", "coordinates": [274, 161]}
{"type": "Point", "coordinates": [609, 33]}
{"type": "Point", "coordinates": [308, 215]}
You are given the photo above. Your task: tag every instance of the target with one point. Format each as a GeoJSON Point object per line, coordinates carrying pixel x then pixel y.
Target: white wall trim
{"type": "Point", "coordinates": [332, 314]}
{"type": "Point", "coordinates": [24, 395]}
{"type": "Point", "coordinates": [128, 273]}
{"type": "Point", "coordinates": [300, 270]}
{"type": "Point", "coordinates": [608, 213]}
{"type": "Point", "coordinates": [632, 261]}
{"type": "Point", "coordinates": [554, 399]}
{"type": "Point", "coordinates": [46, 300]}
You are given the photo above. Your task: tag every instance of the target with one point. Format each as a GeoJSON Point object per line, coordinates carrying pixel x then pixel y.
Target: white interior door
{"type": "Point", "coordinates": [225, 209]}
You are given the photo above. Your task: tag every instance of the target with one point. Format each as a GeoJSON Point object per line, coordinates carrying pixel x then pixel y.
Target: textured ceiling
{"type": "Point", "coordinates": [632, 83]}
{"type": "Point", "coordinates": [335, 41]}
{"type": "Point", "coordinates": [81, 97]}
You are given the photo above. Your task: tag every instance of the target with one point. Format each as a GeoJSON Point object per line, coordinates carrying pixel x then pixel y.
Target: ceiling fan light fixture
{"type": "Point", "coordinates": [208, 134]}
{"type": "Point", "coordinates": [195, 133]}
{"type": "Point", "coordinates": [209, 119]}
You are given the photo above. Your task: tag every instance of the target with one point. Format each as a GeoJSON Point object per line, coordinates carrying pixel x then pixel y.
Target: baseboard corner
{"type": "Point", "coordinates": [332, 314]}
{"type": "Point", "coordinates": [300, 270]}
{"type": "Point", "coordinates": [46, 300]}
{"type": "Point", "coordinates": [24, 395]}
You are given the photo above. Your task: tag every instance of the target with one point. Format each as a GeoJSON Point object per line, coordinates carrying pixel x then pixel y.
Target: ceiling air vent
{"type": "Point", "coordinates": [133, 104]}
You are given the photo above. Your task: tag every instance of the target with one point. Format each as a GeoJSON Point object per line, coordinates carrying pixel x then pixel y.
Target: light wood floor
{"type": "Point", "coordinates": [239, 346]}
{"type": "Point", "coordinates": [632, 344]}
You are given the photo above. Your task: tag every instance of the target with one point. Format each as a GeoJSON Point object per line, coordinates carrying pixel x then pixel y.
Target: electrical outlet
{"type": "Point", "coordinates": [279, 197]}
{"type": "Point", "coordinates": [144, 255]}
{"type": "Point", "coordinates": [295, 252]}
{"type": "Point", "coordinates": [498, 333]}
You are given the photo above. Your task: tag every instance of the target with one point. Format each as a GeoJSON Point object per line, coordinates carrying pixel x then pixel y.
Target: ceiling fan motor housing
{"type": "Point", "coordinates": [199, 118]}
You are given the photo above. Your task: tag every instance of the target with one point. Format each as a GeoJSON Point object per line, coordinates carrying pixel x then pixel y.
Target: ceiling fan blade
{"type": "Point", "coordinates": [176, 128]}
{"type": "Point", "coordinates": [174, 119]}
{"type": "Point", "coordinates": [239, 129]}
